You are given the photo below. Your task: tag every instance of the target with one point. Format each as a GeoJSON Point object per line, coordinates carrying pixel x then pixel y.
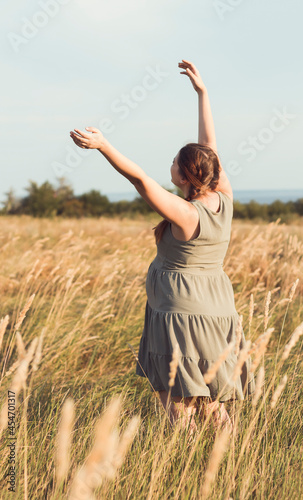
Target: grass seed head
{"type": "Point", "coordinates": [3, 325]}
{"type": "Point", "coordinates": [278, 392]}
{"type": "Point", "coordinates": [219, 448]}
{"type": "Point", "coordinates": [24, 311]}
{"type": "Point", "coordinates": [243, 356]}
{"type": "Point", "coordinates": [251, 309]}
{"type": "Point", "coordinates": [293, 340]}
{"type": "Point", "coordinates": [173, 365]}
{"type": "Point", "coordinates": [38, 353]}
{"type": "Point", "coordinates": [260, 348]}
{"type": "Point", "coordinates": [20, 346]}
{"type": "Point", "coordinates": [259, 385]}
{"type": "Point", "coordinates": [64, 437]}
{"type": "Point", "coordinates": [293, 289]}
{"type": "Point", "coordinates": [268, 299]}
{"type": "Point", "coordinates": [238, 334]}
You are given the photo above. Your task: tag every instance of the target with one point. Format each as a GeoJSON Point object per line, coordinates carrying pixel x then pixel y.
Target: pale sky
{"type": "Point", "coordinates": [113, 65]}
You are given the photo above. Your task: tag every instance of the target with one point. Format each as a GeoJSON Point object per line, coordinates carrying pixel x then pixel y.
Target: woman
{"type": "Point", "coordinates": [190, 299]}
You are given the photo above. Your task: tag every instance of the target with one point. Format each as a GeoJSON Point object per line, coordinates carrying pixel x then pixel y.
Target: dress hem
{"type": "Point", "coordinates": [207, 395]}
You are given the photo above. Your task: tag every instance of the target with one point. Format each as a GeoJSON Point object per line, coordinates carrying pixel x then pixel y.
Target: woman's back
{"type": "Point", "coordinates": [208, 250]}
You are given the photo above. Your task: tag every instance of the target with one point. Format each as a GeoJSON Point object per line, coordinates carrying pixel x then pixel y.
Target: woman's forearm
{"type": "Point", "coordinates": [122, 164]}
{"type": "Point", "coordinates": [207, 136]}
{"type": "Point", "coordinates": [206, 123]}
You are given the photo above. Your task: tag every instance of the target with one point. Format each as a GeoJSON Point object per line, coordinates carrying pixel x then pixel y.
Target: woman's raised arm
{"type": "Point", "coordinates": [207, 134]}
{"type": "Point", "coordinates": [206, 123]}
{"type": "Point", "coordinates": [173, 208]}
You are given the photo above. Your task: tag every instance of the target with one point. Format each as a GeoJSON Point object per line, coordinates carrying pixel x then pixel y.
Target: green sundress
{"type": "Point", "coordinates": [190, 300]}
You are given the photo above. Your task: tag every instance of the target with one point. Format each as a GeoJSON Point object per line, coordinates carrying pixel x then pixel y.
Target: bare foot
{"type": "Point", "coordinates": [223, 420]}
{"type": "Point", "coordinates": [220, 417]}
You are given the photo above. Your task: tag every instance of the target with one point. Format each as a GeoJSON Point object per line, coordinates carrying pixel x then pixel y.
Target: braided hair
{"type": "Point", "coordinates": [200, 165]}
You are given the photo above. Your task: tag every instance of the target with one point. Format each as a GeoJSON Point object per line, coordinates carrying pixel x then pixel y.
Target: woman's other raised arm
{"type": "Point", "coordinates": [207, 133]}
{"type": "Point", "coordinates": [170, 206]}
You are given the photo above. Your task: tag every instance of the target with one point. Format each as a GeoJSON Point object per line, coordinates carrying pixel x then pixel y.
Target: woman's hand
{"type": "Point", "coordinates": [194, 75]}
{"type": "Point", "coordinates": [88, 141]}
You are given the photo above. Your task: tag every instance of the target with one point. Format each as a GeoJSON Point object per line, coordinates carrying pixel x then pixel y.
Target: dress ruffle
{"type": "Point", "coordinates": [196, 355]}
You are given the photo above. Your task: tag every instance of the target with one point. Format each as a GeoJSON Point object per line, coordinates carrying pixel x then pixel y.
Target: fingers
{"type": "Point", "coordinates": [188, 73]}
{"type": "Point", "coordinates": [82, 134]}
{"type": "Point", "coordinates": [92, 129]}
{"type": "Point", "coordinates": [188, 65]}
{"type": "Point", "coordinates": [77, 143]}
{"type": "Point", "coordinates": [82, 143]}
{"type": "Point", "coordinates": [80, 137]}
{"type": "Point", "coordinates": [181, 65]}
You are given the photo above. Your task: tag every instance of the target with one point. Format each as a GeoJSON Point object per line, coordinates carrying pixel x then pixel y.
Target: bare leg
{"type": "Point", "coordinates": [184, 409]}
{"type": "Point", "coordinates": [180, 409]}
{"type": "Point", "coordinates": [219, 414]}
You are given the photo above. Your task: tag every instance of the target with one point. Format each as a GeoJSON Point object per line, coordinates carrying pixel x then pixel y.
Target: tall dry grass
{"type": "Point", "coordinates": [73, 297]}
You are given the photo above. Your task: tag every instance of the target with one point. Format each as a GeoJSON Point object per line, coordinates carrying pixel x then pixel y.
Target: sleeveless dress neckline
{"type": "Point", "coordinates": [212, 211]}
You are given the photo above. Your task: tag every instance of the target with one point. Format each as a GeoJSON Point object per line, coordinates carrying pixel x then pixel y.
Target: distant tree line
{"type": "Point", "coordinates": [49, 201]}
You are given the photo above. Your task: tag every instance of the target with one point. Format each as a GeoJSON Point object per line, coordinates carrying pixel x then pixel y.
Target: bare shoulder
{"type": "Point", "coordinates": [191, 228]}
{"type": "Point", "coordinates": [228, 193]}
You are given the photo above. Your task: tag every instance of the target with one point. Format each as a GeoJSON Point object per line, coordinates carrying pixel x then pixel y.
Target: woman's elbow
{"type": "Point", "coordinates": [140, 183]}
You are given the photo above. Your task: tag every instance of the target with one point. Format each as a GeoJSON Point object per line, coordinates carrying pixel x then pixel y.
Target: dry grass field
{"type": "Point", "coordinates": [72, 300]}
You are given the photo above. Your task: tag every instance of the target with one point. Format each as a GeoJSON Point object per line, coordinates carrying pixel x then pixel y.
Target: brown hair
{"type": "Point", "coordinates": [200, 165]}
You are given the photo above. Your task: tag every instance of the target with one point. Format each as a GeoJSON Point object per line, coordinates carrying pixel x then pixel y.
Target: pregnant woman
{"type": "Point", "coordinates": [190, 299]}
